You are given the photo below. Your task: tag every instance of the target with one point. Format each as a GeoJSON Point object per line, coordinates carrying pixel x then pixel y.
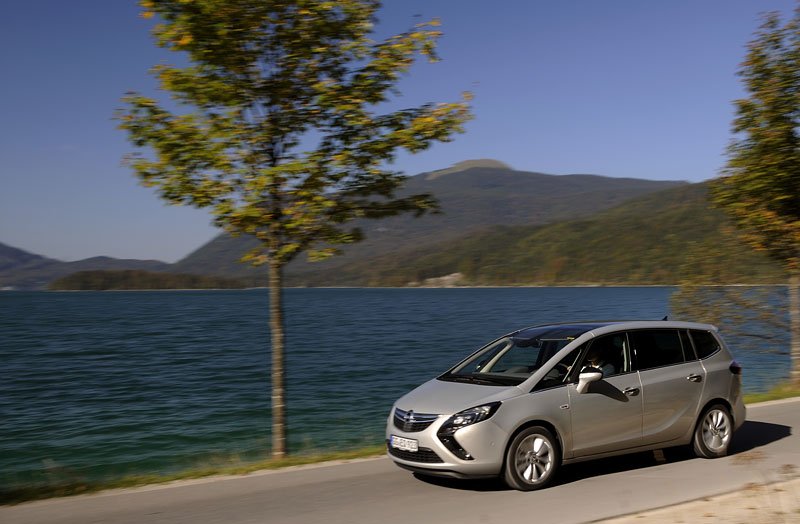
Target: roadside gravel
{"type": "Point", "coordinates": [777, 503]}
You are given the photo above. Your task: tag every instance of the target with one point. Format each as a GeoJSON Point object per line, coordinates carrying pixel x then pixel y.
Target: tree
{"type": "Point", "coordinates": [760, 187]}
{"type": "Point", "coordinates": [281, 134]}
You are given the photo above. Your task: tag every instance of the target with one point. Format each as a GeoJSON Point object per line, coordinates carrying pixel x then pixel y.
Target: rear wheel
{"type": "Point", "coordinates": [712, 437]}
{"type": "Point", "coordinates": [532, 459]}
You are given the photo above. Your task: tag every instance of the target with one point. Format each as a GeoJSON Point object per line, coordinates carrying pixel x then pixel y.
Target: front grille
{"type": "Point", "coordinates": [411, 422]}
{"type": "Point", "coordinates": [426, 455]}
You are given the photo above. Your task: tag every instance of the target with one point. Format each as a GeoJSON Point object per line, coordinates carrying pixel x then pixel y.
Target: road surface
{"type": "Point", "coordinates": [374, 491]}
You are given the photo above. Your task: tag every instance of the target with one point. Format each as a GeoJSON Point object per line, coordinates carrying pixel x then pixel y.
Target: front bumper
{"type": "Point", "coordinates": [483, 441]}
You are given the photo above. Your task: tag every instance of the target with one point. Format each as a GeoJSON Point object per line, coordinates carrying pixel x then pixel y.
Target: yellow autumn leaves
{"type": "Point", "coordinates": [148, 12]}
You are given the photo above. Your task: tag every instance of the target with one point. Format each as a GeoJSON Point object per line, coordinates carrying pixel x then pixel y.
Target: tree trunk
{"type": "Point", "coordinates": [276, 330]}
{"type": "Point", "coordinates": [794, 326]}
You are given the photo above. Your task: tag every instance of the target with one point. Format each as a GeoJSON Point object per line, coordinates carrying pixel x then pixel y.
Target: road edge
{"type": "Point", "coordinates": [289, 469]}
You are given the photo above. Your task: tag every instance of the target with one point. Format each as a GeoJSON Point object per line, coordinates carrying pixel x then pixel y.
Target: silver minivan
{"type": "Point", "coordinates": [543, 396]}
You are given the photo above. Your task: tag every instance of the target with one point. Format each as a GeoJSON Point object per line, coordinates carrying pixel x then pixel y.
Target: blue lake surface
{"type": "Point", "coordinates": [96, 385]}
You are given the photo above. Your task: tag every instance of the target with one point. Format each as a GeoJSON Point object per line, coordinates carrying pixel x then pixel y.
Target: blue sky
{"type": "Point", "coordinates": [622, 88]}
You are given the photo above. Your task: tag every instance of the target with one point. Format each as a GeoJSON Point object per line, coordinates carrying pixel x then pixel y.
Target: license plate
{"type": "Point", "coordinates": [404, 444]}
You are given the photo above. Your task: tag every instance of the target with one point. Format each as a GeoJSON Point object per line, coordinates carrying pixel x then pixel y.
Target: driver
{"type": "Point", "coordinates": [595, 360]}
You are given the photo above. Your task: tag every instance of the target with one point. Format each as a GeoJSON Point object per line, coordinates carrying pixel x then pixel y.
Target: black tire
{"type": "Point", "coordinates": [532, 459]}
{"type": "Point", "coordinates": [712, 436]}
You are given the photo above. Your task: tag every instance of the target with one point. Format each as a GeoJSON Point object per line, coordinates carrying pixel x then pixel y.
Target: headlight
{"type": "Point", "coordinates": [468, 417]}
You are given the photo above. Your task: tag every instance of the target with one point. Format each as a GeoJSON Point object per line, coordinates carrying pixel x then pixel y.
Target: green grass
{"type": "Point", "coordinates": [66, 487]}
{"type": "Point", "coordinates": [15, 495]}
{"type": "Point", "coordinates": [779, 392]}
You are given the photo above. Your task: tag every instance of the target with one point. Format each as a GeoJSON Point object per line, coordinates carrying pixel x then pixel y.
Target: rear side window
{"type": "Point", "coordinates": [656, 347]}
{"type": "Point", "coordinates": [705, 343]}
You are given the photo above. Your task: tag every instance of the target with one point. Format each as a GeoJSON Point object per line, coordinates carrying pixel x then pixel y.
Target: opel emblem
{"type": "Point", "coordinates": [408, 420]}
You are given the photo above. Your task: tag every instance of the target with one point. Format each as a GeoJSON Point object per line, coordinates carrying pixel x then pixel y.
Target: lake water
{"type": "Point", "coordinates": [98, 385]}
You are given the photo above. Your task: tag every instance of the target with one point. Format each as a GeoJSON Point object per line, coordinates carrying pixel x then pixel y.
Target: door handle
{"type": "Point", "coordinates": [631, 392]}
{"type": "Point", "coordinates": [694, 378]}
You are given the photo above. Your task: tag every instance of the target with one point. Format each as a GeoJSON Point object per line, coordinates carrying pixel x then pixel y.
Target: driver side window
{"type": "Point", "coordinates": [609, 353]}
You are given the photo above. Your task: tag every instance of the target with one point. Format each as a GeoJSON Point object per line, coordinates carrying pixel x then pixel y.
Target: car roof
{"type": "Point", "coordinates": [572, 330]}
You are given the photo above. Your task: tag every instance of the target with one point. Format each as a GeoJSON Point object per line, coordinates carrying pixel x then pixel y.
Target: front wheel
{"type": "Point", "coordinates": [712, 437]}
{"type": "Point", "coordinates": [532, 459]}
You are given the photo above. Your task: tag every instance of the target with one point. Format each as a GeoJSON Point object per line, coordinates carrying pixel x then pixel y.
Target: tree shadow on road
{"type": "Point", "coordinates": [751, 435]}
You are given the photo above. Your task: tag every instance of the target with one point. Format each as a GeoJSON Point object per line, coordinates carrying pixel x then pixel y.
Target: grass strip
{"type": "Point", "coordinates": [779, 392]}
{"type": "Point", "coordinates": [18, 494]}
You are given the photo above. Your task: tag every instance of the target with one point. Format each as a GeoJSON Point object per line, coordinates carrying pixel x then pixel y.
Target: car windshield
{"type": "Point", "coordinates": [512, 359]}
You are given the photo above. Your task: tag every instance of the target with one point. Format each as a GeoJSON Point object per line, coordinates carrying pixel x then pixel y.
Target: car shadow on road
{"type": "Point", "coordinates": [754, 434]}
{"type": "Point", "coordinates": [464, 484]}
{"type": "Point", "coordinates": [751, 435]}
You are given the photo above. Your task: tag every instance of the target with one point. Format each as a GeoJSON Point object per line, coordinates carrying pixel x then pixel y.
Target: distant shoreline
{"type": "Point", "coordinates": [521, 286]}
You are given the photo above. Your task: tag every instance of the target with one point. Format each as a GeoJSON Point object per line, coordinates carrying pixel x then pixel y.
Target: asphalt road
{"type": "Point", "coordinates": [765, 449]}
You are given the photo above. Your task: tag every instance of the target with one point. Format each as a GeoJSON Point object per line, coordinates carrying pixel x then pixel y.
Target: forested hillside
{"type": "Point", "coordinates": [655, 239]}
{"type": "Point", "coordinates": [139, 280]}
{"type": "Point", "coordinates": [22, 270]}
{"type": "Point", "coordinates": [473, 195]}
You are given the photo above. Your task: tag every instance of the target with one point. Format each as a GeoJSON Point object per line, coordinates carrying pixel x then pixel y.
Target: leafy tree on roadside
{"type": "Point", "coordinates": [752, 313]}
{"type": "Point", "coordinates": [279, 129]}
{"type": "Point", "coordinates": [760, 187]}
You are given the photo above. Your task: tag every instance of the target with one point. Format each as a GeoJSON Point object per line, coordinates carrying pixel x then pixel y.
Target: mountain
{"type": "Point", "coordinates": [659, 238]}
{"type": "Point", "coordinates": [11, 258]}
{"type": "Point", "coordinates": [499, 227]}
{"type": "Point", "coordinates": [473, 195]}
{"type": "Point", "coordinates": [22, 270]}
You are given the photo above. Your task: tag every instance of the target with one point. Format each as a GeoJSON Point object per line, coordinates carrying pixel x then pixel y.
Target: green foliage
{"type": "Point", "coordinates": [284, 140]}
{"type": "Point", "coordinates": [779, 392]}
{"type": "Point", "coordinates": [138, 279]}
{"type": "Point", "coordinates": [761, 186]}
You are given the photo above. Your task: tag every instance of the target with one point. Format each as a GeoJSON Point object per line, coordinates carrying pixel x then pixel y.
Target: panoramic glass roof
{"type": "Point", "coordinates": [556, 331]}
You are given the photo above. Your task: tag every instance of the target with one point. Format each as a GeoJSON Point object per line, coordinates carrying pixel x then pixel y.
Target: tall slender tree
{"type": "Point", "coordinates": [760, 188]}
{"type": "Point", "coordinates": [279, 128]}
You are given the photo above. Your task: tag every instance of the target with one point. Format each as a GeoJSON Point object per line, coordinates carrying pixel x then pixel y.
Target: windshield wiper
{"type": "Point", "coordinates": [472, 379]}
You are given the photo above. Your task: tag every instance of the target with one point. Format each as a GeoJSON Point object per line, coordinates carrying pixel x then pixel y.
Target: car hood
{"type": "Point", "coordinates": [445, 398]}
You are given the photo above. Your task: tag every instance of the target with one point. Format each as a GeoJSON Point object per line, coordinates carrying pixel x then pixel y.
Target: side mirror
{"type": "Point", "coordinates": [587, 376]}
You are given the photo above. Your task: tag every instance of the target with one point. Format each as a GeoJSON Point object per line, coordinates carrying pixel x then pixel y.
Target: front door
{"type": "Point", "coordinates": [608, 416]}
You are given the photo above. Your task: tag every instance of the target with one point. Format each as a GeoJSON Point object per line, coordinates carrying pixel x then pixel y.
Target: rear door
{"type": "Point", "coordinates": [672, 383]}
